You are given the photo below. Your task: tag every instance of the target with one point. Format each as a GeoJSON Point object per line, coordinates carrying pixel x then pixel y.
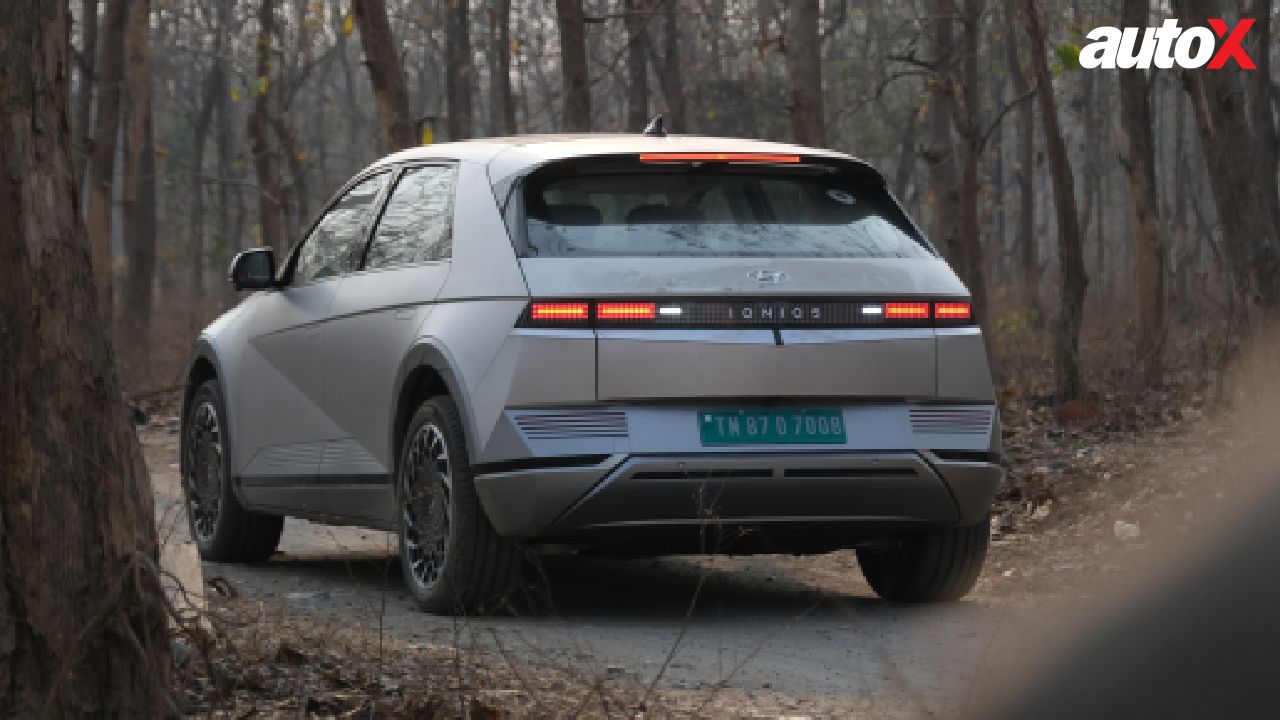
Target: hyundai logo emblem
{"type": "Point", "coordinates": [768, 276]}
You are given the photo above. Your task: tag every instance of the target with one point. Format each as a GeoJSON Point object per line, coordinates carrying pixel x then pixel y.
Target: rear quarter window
{"type": "Point", "coordinates": [713, 209]}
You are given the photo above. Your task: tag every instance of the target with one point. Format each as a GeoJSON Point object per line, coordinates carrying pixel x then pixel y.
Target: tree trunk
{"type": "Point", "coordinates": [265, 164]}
{"type": "Point", "coordinates": [1139, 160]}
{"type": "Point", "coordinates": [669, 70]}
{"type": "Point", "coordinates": [199, 136]}
{"type": "Point", "coordinates": [139, 192]}
{"type": "Point", "coordinates": [386, 74]}
{"type": "Point", "coordinates": [502, 107]}
{"type": "Point", "coordinates": [637, 67]}
{"type": "Point", "coordinates": [939, 152]}
{"type": "Point", "coordinates": [1246, 205]}
{"type": "Point", "coordinates": [103, 163]}
{"type": "Point", "coordinates": [1259, 91]}
{"type": "Point", "coordinates": [906, 153]}
{"type": "Point", "coordinates": [1072, 280]}
{"type": "Point", "coordinates": [1028, 241]}
{"type": "Point", "coordinates": [803, 47]}
{"type": "Point", "coordinates": [457, 85]}
{"type": "Point", "coordinates": [82, 629]}
{"type": "Point", "coordinates": [222, 119]}
{"type": "Point", "coordinates": [82, 139]}
{"type": "Point", "coordinates": [575, 84]}
{"type": "Point", "coordinates": [969, 248]}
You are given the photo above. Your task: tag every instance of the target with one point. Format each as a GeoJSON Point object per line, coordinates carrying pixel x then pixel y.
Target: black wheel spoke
{"type": "Point", "coordinates": [425, 484]}
{"type": "Point", "coordinates": [202, 477]}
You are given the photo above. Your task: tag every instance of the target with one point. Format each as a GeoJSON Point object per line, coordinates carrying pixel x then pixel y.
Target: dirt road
{"type": "Point", "coordinates": [800, 635]}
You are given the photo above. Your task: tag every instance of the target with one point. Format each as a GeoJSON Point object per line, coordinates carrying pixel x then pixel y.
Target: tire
{"type": "Point", "coordinates": [933, 566]}
{"type": "Point", "coordinates": [220, 526]}
{"type": "Point", "coordinates": [454, 562]}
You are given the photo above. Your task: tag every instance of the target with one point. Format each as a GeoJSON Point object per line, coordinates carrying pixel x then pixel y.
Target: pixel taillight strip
{"type": "Point", "coordinates": [906, 310]}
{"type": "Point", "coordinates": [560, 311]}
{"type": "Point", "coordinates": [626, 311]}
{"type": "Point", "coordinates": [952, 311]}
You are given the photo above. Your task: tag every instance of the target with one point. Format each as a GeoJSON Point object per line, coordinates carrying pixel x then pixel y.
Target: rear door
{"type": "Point", "coordinates": [374, 319]}
{"type": "Point", "coordinates": [739, 280]}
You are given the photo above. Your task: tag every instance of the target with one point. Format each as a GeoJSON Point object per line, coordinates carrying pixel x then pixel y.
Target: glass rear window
{"type": "Point", "coordinates": [714, 209]}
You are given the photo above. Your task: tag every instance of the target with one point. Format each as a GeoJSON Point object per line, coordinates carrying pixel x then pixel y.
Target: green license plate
{"type": "Point", "coordinates": [771, 427]}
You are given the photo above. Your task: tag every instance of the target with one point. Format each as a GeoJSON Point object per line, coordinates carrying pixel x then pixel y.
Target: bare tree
{"type": "Point", "coordinates": [1072, 280]}
{"type": "Point", "coordinates": [139, 187]}
{"type": "Point", "coordinates": [82, 632]}
{"type": "Point", "coordinates": [502, 107]}
{"type": "Point", "coordinates": [637, 25]}
{"type": "Point", "coordinates": [386, 74]}
{"type": "Point", "coordinates": [668, 68]}
{"type": "Point", "coordinates": [1028, 243]}
{"type": "Point", "coordinates": [103, 162]}
{"type": "Point", "coordinates": [803, 46]}
{"type": "Point", "coordinates": [1243, 190]}
{"type": "Point", "coordinates": [576, 86]}
{"type": "Point", "coordinates": [939, 149]}
{"type": "Point", "coordinates": [265, 165]}
{"type": "Point", "coordinates": [458, 69]}
{"type": "Point", "coordinates": [1138, 158]}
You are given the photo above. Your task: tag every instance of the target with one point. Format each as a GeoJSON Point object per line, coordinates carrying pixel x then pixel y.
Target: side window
{"type": "Point", "coordinates": [330, 247]}
{"type": "Point", "coordinates": [417, 224]}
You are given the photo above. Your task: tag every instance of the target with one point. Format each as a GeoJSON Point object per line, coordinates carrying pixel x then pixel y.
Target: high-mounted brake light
{"type": "Point", "coordinates": [952, 311]}
{"type": "Point", "coordinates": [662, 157]}
{"type": "Point", "coordinates": [906, 310]}
{"type": "Point", "coordinates": [626, 311]}
{"type": "Point", "coordinates": [559, 311]}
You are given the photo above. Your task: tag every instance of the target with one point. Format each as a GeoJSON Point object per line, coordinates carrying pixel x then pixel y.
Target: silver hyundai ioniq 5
{"type": "Point", "coordinates": [625, 344]}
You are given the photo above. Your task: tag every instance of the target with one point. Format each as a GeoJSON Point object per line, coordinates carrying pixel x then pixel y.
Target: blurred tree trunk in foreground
{"type": "Point", "coordinates": [81, 136]}
{"type": "Point", "coordinates": [82, 630]}
{"type": "Point", "coordinates": [386, 74]}
{"type": "Point", "coordinates": [1139, 160]}
{"type": "Point", "coordinates": [1072, 280]}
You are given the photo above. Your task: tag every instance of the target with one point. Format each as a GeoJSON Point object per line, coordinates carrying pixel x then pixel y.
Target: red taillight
{"type": "Point", "coordinates": [952, 311]}
{"type": "Point", "coordinates": [559, 311]}
{"type": "Point", "coordinates": [718, 157]}
{"type": "Point", "coordinates": [626, 311]}
{"type": "Point", "coordinates": [906, 311]}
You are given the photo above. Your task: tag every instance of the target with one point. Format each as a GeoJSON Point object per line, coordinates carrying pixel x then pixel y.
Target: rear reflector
{"type": "Point", "coordinates": [952, 311]}
{"type": "Point", "coordinates": [718, 157]}
{"type": "Point", "coordinates": [559, 311]}
{"type": "Point", "coordinates": [906, 310]}
{"type": "Point", "coordinates": [626, 311]}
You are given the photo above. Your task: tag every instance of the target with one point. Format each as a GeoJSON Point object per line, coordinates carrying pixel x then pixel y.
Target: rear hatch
{"type": "Point", "coordinates": [713, 278]}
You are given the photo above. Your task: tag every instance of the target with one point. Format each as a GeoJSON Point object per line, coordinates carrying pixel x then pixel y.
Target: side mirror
{"type": "Point", "coordinates": [253, 269]}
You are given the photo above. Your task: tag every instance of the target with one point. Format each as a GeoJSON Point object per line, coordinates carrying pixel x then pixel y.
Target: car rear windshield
{"type": "Point", "coordinates": [713, 209]}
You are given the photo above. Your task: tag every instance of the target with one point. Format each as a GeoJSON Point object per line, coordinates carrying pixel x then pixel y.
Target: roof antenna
{"type": "Point", "coordinates": [656, 127]}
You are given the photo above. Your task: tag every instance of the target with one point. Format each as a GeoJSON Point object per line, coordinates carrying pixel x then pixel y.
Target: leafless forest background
{"type": "Point", "coordinates": [1117, 228]}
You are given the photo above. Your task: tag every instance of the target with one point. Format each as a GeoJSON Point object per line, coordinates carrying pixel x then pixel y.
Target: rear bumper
{"type": "Point", "coordinates": [800, 495]}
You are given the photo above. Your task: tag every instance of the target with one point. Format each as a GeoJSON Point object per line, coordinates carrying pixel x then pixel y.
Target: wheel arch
{"type": "Point", "coordinates": [427, 370]}
{"type": "Point", "coordinates": [201, 368]}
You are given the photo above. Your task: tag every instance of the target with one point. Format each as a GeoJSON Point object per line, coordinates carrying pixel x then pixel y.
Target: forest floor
{"type": "Point", "coordinates": [326, 627]}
